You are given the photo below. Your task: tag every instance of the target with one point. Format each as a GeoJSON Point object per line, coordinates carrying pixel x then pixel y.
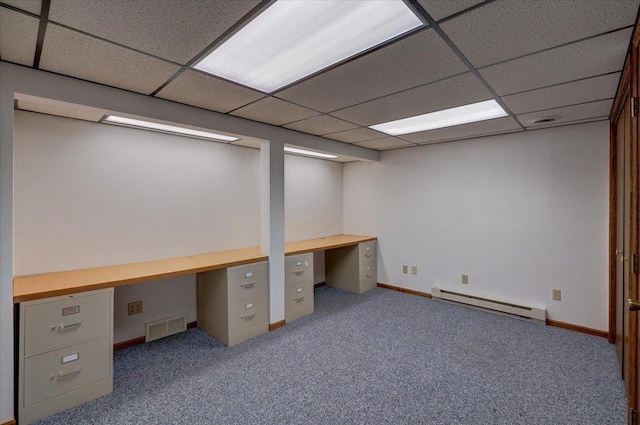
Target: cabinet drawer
{"type": "Point", "coordinates": [248, 312]}
{"type": "Point", "coordinates": [367, 252]}
{"type": "Point", "coordinates": [246, 281]}
{"type": "Point", "coordinates": [57, 372]}
{"type": "Point", "coordinates": [298, 295]}
{"type": "Point", "coordinates": [54, 324]}
{"type": "Point", "coordinates": [299, 268]}
{"type": "Point", "coordinates": [368, 276]}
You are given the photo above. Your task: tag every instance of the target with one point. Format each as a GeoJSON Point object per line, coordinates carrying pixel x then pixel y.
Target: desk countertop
{"type": "Point", "coordinates": [33, 287]}
{"type": "Point", "coordinates": [38, 286]}
{"type": "Point", "coordinates": [321, 244]}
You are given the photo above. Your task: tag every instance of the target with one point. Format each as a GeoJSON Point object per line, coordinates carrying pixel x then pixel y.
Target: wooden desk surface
{"type": "Point", "coordinates": [33, 287]}
{"type": "Point", "coordinates": [321, 244]}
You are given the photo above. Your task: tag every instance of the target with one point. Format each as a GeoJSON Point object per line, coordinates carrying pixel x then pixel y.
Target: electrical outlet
{"type": "Point", "coordinates": [465, 279]}
{"type": "Point", "coordinates": [134, 308]}
{"type": "Point", "coordinates": [405, 269]}
{"type": "Point", "coordinates": [557, 294]}
{"type": "Point", "coordinates": [414, 269]}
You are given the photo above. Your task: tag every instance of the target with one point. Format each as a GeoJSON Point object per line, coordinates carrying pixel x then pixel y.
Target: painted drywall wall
{"type": "Point", "coordinates": [520, 214]}
{"type": "Point", "coordinates": [89, 195]}
{"type": "Point", "coordinates": [312, 202]}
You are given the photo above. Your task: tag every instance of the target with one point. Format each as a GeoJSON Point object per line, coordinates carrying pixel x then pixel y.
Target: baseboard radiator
{"type": "Point", "coordinates": [532, 313]}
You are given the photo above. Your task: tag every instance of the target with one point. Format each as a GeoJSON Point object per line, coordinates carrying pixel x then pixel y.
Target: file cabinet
{"type": "Point", "coordinates": [233, 303]}
{"type": "Point", "coordinates": [65, 352]}
{"type": "Point", "coordinates": [298, 283]}
{"type": "Point", "coordinates": [352, 268]}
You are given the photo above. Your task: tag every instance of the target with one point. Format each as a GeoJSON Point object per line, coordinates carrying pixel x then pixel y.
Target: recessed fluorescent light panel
{"type": "Point", "coordinates": [172, 129]}
{"type": "Point", "coordinates": [309, 153]}
{"type": "Point", "coordinates": [466, 114]}
{"type": "Point", "coordinates": [295, 38]}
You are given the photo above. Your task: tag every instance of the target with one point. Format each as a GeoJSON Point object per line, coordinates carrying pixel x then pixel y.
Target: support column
{"type": "Point", "coordinates": [272, 222]}
{"type": "Point", "coordinates": [6, 252]}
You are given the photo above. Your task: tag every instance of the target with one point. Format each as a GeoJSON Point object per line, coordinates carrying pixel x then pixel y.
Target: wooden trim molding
{"type": "Point", "coordinates": [277, 325]}
{"type": "Point", "coordinates": [583, 329]}
{"type": "Point", "coordinates": [613, 228]}
{"type": "Point", "coordinates": [317, 285]}
{"type": "Point", "coordinates": [11, 422]}
{"type": "Point", "coordinates": [590, 331]}
{"type": "Point", "coordinates": [405, 290]}
{"type": "Point", "coordinates": [141, 339]}
{"type": "Point", "coordinates": [621, 92]}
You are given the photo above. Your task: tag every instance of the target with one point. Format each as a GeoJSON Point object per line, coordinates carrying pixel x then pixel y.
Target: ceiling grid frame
{"type": "Point", "coordinates": [417, 7]}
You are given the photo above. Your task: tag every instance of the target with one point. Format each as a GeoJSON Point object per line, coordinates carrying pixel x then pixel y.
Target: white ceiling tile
{"type": "Point", "coordinates": [384, 144]}
{"type": "Point", "coordinates": [418, 59]}
{"type": "Point", "coordinates": [322, 124]}
{"type": "Point", "coordinates": [588, 58]}
{"type": "Point", "coordinates": [506, 29]}
{"type": "Point", "coordinates": [498, 125]}
{"type": "Point", "coordinates": [77, 55]}
{"type": "Point", "coordinates": [439, 9]}
{"type": "Point", "coordinates": [356, 135]}
{"type": "Point", "coordinates": [274, 111]}
{"type": "Point", "coordinates": [18, 37]}
{"type": "Point", "coordinates": [177, 30]}
{"type": "Point", "coordinates": [62, 109]}
{"type": "Point", "coordinates": [32, 6]}
{"type": "Point", "coordinates": [588, 90]}
{"type": "Point", "coordinates": [197, 89]}
{"type": "Point", "coordinates": [456, 91]}
{"type": "Point", "coordinates": [570, 113]}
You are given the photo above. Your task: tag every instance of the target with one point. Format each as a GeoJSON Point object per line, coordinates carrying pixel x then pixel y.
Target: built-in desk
{"type": "Point", "coordinates": [350, 264]}
{"type": "Point", "coordinates": [46, 285]}
{"type": "Point", "coordinates": [65, 321]}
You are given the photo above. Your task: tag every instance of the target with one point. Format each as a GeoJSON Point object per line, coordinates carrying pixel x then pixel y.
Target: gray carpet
{"type": "Point", "coordinates": [381, 357]}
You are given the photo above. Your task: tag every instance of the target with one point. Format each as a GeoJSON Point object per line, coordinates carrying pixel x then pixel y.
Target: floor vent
{"type": "Point", "coordinates": [165, 327]}
{"type": "Point", "coordinates": [535, 314]}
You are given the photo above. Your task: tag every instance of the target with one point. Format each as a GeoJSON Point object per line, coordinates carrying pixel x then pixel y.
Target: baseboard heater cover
{"type": "Point", "coordinates": [165, 327]}
{"type": "Point", "coordinates": [502, 307]}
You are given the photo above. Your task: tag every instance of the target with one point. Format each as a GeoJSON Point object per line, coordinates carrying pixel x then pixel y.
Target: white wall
{"type": "Point", "coordinates": [312, 202]}
{"type": "Point", "coordinates": [521, 214]}
{"type": "Point", "coordinates": [90, 195]}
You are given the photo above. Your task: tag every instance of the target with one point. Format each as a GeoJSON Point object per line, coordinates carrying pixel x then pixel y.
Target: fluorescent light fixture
{"type": "Point", "coordinates": [474, 112]}
{"type": "Point", "coordinates": [295, 38]}
{"type": "Point", "coordinates": [309, 153]}
{"type": "Point", "coordinates": [172, 129]}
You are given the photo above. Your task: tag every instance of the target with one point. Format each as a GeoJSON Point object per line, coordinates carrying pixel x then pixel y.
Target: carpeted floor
{"type": "Point", "coordinates": [381, 357]}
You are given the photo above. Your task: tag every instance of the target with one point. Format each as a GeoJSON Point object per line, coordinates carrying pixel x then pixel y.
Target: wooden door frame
{"type": "Point", "coordinates": [629, 86]}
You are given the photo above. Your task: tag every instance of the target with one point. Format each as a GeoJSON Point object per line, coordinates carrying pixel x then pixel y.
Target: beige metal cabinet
{"type": "Point", "coordinates": [352, 268]}
{"type": "Point", "coordinates": [298, 283]}
{"type": "Point", "coordinates": [65, 352]}
{"type": "Point", "coordinates": [233, 303]}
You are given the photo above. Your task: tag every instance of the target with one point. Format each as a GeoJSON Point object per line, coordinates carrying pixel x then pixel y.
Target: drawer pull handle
{"type": "Point", "coordinates": [62, 376]}
{"type": "Point", "coordinates": [368, 254]}
{"type": "Point", "coordinates": [64, 327]}
{"type": "Point", "coordinates": [298, 273]}
{"type": "Point", "coordinates": [299, 298]}
{"type": "Point", "coordinates": [249, 316]}
{"type": "Point", "coordinates": [368, 275]}
{"type": "Point", "coordinates": [248, 285]}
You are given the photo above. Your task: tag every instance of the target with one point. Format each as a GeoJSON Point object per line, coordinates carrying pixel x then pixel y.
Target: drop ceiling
{"type": "Point", "coordinates": [559, 58]}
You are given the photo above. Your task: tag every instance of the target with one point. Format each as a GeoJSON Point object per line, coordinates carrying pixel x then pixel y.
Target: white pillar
{"type": "Point", "coordinates": [6, 252]}
{"type": "Point", "coordinates": [272, 222]}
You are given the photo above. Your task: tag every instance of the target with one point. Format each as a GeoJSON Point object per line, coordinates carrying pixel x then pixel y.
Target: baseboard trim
{"type": "Point", "coordinates": [277, 325]}
{"type": "Point", "coordinates": [578, 328]}
{"type": "Point", "coordinates": [405, 290]}
{"type": "Point", "coordinates": [11, 422]}
{"type": "Point", "coordinates": [317, 285]}
{"type": "Point", "coordinates": [141, 340]}
{"type": "Point", "coordinates": [555, 323]}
